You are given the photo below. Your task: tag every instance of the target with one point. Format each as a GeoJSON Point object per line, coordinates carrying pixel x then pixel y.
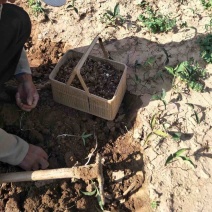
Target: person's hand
{"type": "Point", "coordinates": [27, 96]}
{"type": "Point", "coordinates": [35, 159]}
{"type": "Point", "coordinates": [5, 1]}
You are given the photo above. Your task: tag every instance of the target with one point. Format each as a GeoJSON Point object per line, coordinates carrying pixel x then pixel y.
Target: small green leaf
{"type": "Point", "coordinates": [149, 61]}
{"type": "Point", "coordinates": [160, 133]}
{"type": "Point", "coordinates": [197, 117]}
{"type": "Point", "coordinates": [109, 12]}
{"type": "Point", "coordinates": [76, 10]}
{"type": "Point", "coordinates": [116, 10]}
{"type": "Point", "coordinates": [137, 79]}
{"type": "Point", "coordinates": [190, 105]}
{"type": "Point", "coordinates": [86, 136]}
{"type": "Point", "coordinates": [99, 199]}
{"type": "Point", "coordinates": [87, 193]}
{"type": "Point", "coordinates": [155, 204]}
{"type": "Point", "coordinates": [189, 160]}
{"type": "Point", "coordinates": [69, 6]}
{"type": "Point", "coordinates": [163, 95]}
{"type": "Point", "coordinates": [83, 141]}
{"type": "Point", "coordinates": [147, 138]}
{"type": "Point", "coordinates": [155, 97]}
{"type": "Point", "coordinates": [179, 152]}
{"type": "Point", "coordinates": [175, 135]}
{"type": "Point", "coordinates": [169, 159]}
{"type": "Point", "coordinates": [164, 103]}
{"type": "Point", "coordinates": [153, 121]}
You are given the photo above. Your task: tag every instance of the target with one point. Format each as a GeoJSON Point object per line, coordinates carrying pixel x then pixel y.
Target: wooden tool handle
{"type": "Point", "coordinates": [80, 64]}
{"type": "Point", "coordinates": [80, 172]}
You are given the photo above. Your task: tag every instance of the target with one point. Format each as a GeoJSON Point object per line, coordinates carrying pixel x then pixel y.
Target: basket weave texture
{"type": "Point", "coordinates": [82, 100]}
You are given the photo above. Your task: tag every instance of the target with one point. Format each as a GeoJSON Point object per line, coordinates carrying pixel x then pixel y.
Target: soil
{"type": "Point", "coordinates": [136, 178]}
{"type": "Point", "coordinates": [101, 78]}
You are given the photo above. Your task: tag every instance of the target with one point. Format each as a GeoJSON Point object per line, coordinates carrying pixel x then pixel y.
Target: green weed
{"type": "Point", "coordinates": [155, 130]}
{"type": "Point", "coordinates": [178, 154]}
{"type": "Point", "coordinates": [143, 4]}
{"type": "Point", "coordinates": [84, 136]}
{"type": "Point", "coordinates": [97, 195]}
{"type": "Point", "coordinates": [71, 6]}
{"type": "Point", "coordinates": [155, 204]}
{"type": "Point", "coordinates": [36, 7]}
{"type": "Point", "coordinates": [205, 44]}
{"type": "Point", "coordinates": [156, 22]}
{"type": "Point", "coordinates": [207, 4]}
{"type": "Point", "coordinates": [175, 135]}
{"type": "Point", "coordinates": [113, 18]}
{"type": "Point", "coordinates": [183, 24]}
{"type": "Point", "coordinates": [197, 119]}
{"type": "Point", "coordinates": [160, 96]}
{"type": "Point", "coordinates": [191, 73]}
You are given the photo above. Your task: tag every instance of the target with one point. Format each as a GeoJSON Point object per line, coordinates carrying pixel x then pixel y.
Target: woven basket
{"type": "Point", "coordinates": [82, 99]}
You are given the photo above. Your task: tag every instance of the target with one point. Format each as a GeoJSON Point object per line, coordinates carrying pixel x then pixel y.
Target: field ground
{"type": "Point", "coordinates": [130, 159]}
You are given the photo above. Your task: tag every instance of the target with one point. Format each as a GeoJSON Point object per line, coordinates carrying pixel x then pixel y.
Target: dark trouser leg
{"type": "Point", "coordinates": [15, 28]}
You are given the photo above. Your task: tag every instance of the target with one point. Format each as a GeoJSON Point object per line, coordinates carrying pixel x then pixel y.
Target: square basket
{"type": "Point", "coordinates": [66, 94]}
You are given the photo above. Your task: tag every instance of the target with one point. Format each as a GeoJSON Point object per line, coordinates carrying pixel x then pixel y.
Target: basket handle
{"type": "Point", "coordinates": [79, 65]}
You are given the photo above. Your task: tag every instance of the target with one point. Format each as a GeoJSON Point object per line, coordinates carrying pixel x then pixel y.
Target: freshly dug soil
{"type": "Point", "coordinates": [44, 126]}
{"type": "Point", "coordinates": [101, 78]}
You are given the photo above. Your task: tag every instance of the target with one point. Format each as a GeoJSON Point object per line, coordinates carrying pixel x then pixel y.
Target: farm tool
{"type": "Point", "coordinates": [86, 172]}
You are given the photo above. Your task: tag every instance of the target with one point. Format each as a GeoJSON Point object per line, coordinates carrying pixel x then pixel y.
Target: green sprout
{"type": "Point", "coordinates": [191, 73]}
{"type": "Point", "coordinates": [71, 6]}
{"type": "Point", "coordinates": [155, 204]}
{"type": "Point", "coordinates": [97, 195]}
{"type": "Point", "coordinates": [113, 18]}
{"type": "Point", "coordinates": [205, 44]}
{"type": "Point", "coordinates": [36, 6]}
{"type": "Point", "coordinates": [156, 22]}
{"type": "Point", "coordinates": [84, 136]}
{"type": "Point", "coordinates": [178, 154]}
{"type": "Point", "coordinates": [160, 96]}
{"type": "Point", "coordinates": [154, 129]}
{"type": "Point", "coordinates": [207, 4]}
{"type": "Point", "coordinates": [197, 119]}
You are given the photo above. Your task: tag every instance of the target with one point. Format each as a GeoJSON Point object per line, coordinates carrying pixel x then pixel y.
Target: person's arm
{"type": "Point", "coordinates": [23, 65]}
{"type": "Point", "coordinates": [12, 148]}
{"type": "Point", "coordinates": [27, 96]}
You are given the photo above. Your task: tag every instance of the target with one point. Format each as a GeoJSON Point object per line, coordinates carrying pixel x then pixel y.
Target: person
{"type": "Point", "coordinates": [15, 29]}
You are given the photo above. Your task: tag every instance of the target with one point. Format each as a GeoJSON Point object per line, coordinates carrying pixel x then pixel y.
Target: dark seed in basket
{"type": "Point", "coordinates": [101, 78]}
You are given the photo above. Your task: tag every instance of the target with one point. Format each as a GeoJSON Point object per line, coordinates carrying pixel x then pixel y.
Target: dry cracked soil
{"type": "Point", "coordinates": [135, 175]}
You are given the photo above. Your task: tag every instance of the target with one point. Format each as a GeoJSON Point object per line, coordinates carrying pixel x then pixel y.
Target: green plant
{"type": "Point", "coordinates": [207, 4]}
{"type": "Point", "coordinates": [206, 48]}
{"type": "Point", "coordinates": [154, 129]}
{"type": "Point", "coordinates": [156, 22]}
{"type": "Point", "coordinates": [208, 27]}
{"type": "Point", "coordinates": [178, 154]}
{"type": "Point", "coordinates": [183, 24]}
{"type": "Point", "coordinates": [96, 193]}
{"type": "Point", "coordinates": [143, 3]}
{"type": "Point", "coordinates": [71, 6]}
{"type": "Point", "coordinates": [160, 96]}
{"type": "Point", "coordinates": [197, 119]}
{"type": "Point", "coordinates": [84, 136]}
{"type": "Point", "coordinates": [189, 72]}
{"type": "Point", "coordinates": [175, 135]}
{"type": "Point", "coordinates": [155, 204]}
{"type": "Point", "coordinates": [36, 6]}
{"type": "Point", "coordinates": [182, 1]}
{"type": "Point", "coordinates": [113, 18]}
